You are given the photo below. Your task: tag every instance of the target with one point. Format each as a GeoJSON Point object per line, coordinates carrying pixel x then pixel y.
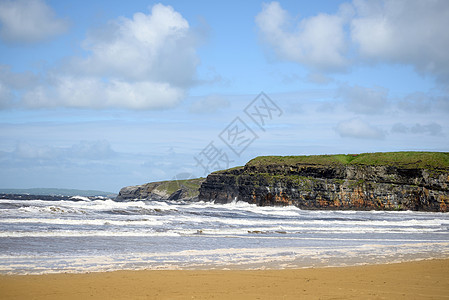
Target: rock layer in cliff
{"type": "Point", "coordinates": [380, 181]}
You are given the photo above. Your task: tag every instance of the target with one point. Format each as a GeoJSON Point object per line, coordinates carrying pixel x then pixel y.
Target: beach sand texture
{"type": "Point", "coordinates": [427, 279]}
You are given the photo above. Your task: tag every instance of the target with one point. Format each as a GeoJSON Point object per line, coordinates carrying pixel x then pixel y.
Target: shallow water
{"type": "Point", "coordinates": [79, 236]}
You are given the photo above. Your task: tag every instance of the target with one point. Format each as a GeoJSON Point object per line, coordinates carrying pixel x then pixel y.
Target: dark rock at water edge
{"type": "Point", "coordinates": [186, 190]}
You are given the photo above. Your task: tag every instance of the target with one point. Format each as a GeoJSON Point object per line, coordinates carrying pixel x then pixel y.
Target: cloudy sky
{"type": "Point", "coordinates": [105, 94]}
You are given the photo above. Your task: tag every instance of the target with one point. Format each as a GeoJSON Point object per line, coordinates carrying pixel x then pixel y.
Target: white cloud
{"type": "Point", "coordinates": [209, 104]}
{"type": "Point", "coordinates": [146, 62]}
{"type": "Point", "coordinates": [409, 32]}
{"type": "Point", "coordinates": [29, 21]}
{"type": "Point", "coordinates": [84, 150]}
{"type": "Point", "coordinates": [399, 128]}
{"type": "Point", "coordinates": [364, 100]}
{"type": "Point", "coordinates": [442, 103]}
{"type": "Point", "coordinates": [431, 129]}
{"type": "Point", "coordinates": [417, 102]}
{"type": "Point", "coordinates": [318, 78]}
{"type": "Point", "coordinates": [356, 128]}
{"type": "Point", "coordinates": [318, 41]}
{"type": "Point", "coordinates": [424, 103]}
{"type": "Point", "coordinates": [5, 96]}
{"type": "Point", "coordinates": [11, 83]}
{"type": "Point", "coordinates": [92, 150]}
{"type": "Point", "coordinates": [92, 92]}
{"type": "Point", "coordinates": [27, 151]}
{"type": "Point", "coordinates": [17, 81]}
{"type": "Point", "coordinates": [158, 47]}
{"type": "Point", "coordinates": [404, 31]}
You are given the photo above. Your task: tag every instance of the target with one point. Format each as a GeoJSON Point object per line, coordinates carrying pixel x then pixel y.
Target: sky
{"type": "Point", "coordinates": [105, 94]}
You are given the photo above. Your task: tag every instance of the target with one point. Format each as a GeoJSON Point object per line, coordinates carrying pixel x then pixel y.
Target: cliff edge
{"type": "Point", "coordinates": [369, 181]}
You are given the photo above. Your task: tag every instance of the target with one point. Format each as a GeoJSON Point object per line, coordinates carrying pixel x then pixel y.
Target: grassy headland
{"type": "Point", "coordinates": [190, 186]}
{"type": "Point", "coordinates": [430, 160]}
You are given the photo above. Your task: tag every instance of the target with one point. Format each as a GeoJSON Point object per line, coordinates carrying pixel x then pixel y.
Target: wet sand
{"type": "Point", "coordinates": [427, 279]}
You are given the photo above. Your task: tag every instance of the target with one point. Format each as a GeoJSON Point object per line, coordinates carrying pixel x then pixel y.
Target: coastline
{"type": "Point", "coordinates": [425, 279]}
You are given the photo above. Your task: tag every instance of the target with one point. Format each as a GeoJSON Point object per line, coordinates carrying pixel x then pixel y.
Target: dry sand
{"type": "Point", "coordinates": [411, 280]}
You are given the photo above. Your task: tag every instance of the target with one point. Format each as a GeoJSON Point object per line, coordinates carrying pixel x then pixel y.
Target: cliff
{"type": "Point", "coordinates": [370, 181]}
{"type": "Point", "coordinates": [163, 190]}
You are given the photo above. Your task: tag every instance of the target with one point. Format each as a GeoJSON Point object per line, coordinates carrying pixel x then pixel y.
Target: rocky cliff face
{"type": "Point", "coordinates": [163, 190]}
{"type": "Point", "coordinates": [335, 183]}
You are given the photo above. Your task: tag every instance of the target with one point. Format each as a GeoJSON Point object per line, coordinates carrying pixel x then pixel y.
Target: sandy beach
{"type": "Point", "coordinates": [427, 279]}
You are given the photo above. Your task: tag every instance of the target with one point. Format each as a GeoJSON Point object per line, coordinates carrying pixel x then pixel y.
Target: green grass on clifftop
{"type": "Point", "coordinates": [191, 185]}
{"type": "Point", "coordinates": [432, 160]}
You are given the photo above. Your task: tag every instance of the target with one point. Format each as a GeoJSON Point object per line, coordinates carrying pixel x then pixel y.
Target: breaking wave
{"type": "Point", "coordinates": [38, 236]}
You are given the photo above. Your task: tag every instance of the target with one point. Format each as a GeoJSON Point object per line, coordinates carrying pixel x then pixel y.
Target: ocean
{"type": "Point", "coordinates": [83, 235]}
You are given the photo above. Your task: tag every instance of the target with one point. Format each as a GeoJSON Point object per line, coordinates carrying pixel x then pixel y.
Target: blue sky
{"type": "Point", "coordinates": [105, 94]}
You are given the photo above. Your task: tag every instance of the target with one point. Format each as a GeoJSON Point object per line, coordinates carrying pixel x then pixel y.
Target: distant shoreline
{"type": "Point", "coordinates": [409, 280]}
{"type": "Point", "coordinates": [56, 192]}
{"type": "Point", "coordinates": [48, 197]}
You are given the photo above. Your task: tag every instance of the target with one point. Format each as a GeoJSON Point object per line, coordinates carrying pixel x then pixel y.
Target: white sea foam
{"type": "Point", "coordinates": [224, 258]}
{"type": "Point", "coordinates": [92, 233]}
{"type": "Point", "coordinates": [76, 236]}
{"type": "Point", "coordinates": [82, 198]}
{"type": "Point", "coordinates": [99, 222]}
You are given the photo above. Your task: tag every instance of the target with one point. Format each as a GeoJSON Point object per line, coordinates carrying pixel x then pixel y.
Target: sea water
{"type": "Point", "coordinates": [82, 235]}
